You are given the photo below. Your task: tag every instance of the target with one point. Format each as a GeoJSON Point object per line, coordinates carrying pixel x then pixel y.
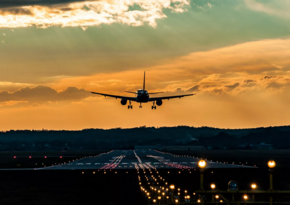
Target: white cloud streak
{"type": "Point", "coordinates": [91, 13]}
{"type": "Point", "coordinates": [274, 8]}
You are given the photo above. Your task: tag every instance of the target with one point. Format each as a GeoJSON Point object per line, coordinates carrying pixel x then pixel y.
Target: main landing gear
{"type": "Point", "coordinates": [130, 106]}
{"type": "Point", "coordinates": [153, 106]}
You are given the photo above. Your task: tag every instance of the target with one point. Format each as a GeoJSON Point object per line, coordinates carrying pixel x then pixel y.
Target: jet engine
{"type": "Point", "coordinates": [124, 101]}
{"type": "Point", "coordinates": [159, 102]}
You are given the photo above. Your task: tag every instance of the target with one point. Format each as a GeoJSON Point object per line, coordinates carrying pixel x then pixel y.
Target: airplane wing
{"type": "Point", "coordinates": [116, 96]}
{"type": "Point", "coordinates": [169, 97]}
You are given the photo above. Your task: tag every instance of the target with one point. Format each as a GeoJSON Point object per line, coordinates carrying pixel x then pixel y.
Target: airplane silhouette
{"type": "Point", "coordinates": [142, 97]}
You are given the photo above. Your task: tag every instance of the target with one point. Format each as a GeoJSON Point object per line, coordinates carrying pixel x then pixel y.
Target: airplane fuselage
{"type": "Point", "coordinates": [142, 96]}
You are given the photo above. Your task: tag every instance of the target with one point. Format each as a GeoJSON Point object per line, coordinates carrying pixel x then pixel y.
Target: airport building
{"type": "Point", "coordinates": [171, 147]}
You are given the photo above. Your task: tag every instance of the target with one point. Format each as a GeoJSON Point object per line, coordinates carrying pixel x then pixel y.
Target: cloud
{"type": "Point", "coordinates": [231, 87]}
{"type": "Point", "coordinates": [275, 85]}
{"type": "Point", "coordinates": [274, 8]}
{"type": "Point", "coordinates": [194, 88]}
{"type": "Point", "coordinates": [41, 94]}
{"type": "Point", "coordinates": [43, 14]}
{"type": "Point", "coordinates": [267, 77]}
{"type": "Point", "coordinates": [249, 81]}
{"type": "Point", "coordinates": [232, 70]}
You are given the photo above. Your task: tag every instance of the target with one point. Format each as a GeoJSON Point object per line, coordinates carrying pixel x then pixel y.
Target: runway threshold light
{"type": "Point", "coordinates": [271, 164]}
{"type": "Point", "coordinates": [202, 163]}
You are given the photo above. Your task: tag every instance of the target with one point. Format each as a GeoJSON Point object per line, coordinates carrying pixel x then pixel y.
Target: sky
{"type": "Point", "coordinates": [233, 54]}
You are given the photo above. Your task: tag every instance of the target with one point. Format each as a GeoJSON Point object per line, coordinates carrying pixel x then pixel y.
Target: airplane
{"type": "Point", "coordinates": [142, 97]}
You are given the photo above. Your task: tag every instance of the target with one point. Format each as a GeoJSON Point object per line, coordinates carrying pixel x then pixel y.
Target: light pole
{"type": "Point", "coordinates": [253, 186]}
{"type": "Point", "coordinates": [271, 165]}
{"type": "Point", "coordinates": [172, 187]}
{"type": "Point", "coordinates": [202, 165]}
{"type": "Point", "coordinates": [212, 186]}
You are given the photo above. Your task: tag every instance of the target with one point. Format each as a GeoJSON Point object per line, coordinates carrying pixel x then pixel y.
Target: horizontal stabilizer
{"type": "Point", "coordinates": [156, 93]}
{"type": "Point", "coordinates": [131, 92]}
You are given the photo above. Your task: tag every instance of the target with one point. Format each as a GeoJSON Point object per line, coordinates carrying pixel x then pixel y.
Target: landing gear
{"type": "Point", "coordinates": [153, 106]}
{"type": "Point", "coordinates": [130, 106]}
{"type": "Point", "coordinates": [140, 105]}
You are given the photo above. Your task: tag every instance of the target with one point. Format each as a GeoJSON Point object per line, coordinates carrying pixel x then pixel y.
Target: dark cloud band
{"type": "Point", "coordinates": [18, 3]}
{"type": "Point", "coordinates": [42, 94]}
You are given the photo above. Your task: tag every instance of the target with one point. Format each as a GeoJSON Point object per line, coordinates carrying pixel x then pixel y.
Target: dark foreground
{"type": "Point", "coordinates": [75, 187]}
{"type": "Point", "coordinates": [84, 183]}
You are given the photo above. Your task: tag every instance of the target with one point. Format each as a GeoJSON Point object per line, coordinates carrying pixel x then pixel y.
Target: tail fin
{"type": "Point", "coordinates": [144, 82]}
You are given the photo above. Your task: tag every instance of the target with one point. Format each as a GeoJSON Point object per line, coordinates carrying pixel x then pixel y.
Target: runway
{"type": "Point", "coordinates": [129, 159]}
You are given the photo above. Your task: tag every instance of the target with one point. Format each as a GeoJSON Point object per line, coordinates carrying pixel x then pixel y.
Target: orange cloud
{"type": "Point", "coordinates": [231, 69]}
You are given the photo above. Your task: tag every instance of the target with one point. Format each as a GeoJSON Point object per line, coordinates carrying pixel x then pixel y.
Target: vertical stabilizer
{"type": "Point", "coordinates": [144, 82]}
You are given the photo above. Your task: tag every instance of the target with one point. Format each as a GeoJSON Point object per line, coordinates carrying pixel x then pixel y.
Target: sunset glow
{"type": "Point", "coordinates": [54, 55]}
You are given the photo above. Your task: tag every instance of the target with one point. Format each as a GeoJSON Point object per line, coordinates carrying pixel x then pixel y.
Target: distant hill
{"type": "Point", "coordinates": [211, 138]}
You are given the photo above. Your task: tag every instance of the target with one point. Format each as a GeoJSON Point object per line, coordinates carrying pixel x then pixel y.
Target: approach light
{"type": "Point", "coordinates": [253, 186]}
{"type": "Point", "coordinates": [202, 163]}
{"type": "Point", "coordinates": [217, 196]}
{"type": "Point", "coordinates": [245, 197]}
{"type": "Point", "coordinates": [212, 186]}
{"type": "Point", "coordinates": [271, 164]}
{"type": "Point", "coordinates": [172, 186]}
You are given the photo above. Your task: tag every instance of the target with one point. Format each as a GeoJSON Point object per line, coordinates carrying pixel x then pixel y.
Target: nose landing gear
{"type": "Point", "coordinates": [140, 105]}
